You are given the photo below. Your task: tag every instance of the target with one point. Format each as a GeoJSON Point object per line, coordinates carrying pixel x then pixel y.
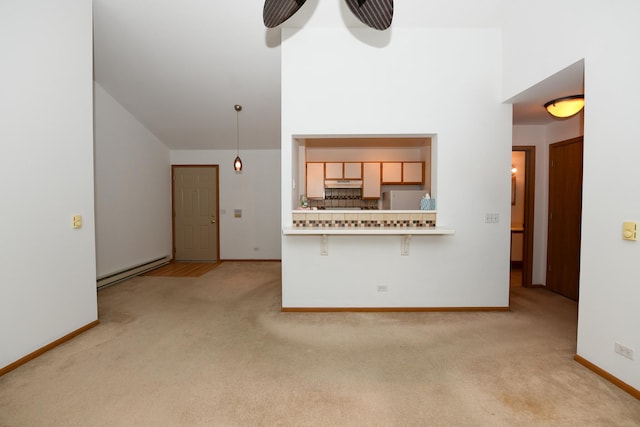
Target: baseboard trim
{"type": "Point", "coordinates": [250, 260]}
{"type": "Point", "coordinates": [387, 309]}
{"type": "Point", "coordinates": [607, 376]}
{"type": "Point", "coordinates": [46, 348]}
{"type": "Point", "coordinates": [535, 286]}
{"type": "Point", "coordinates": [128, 273]}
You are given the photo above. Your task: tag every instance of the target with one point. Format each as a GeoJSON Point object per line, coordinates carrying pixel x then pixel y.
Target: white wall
{"type": "Point", "coordinates": [47, 268]}
{"type": "Point", "coordinates": [256, 191]}
{"type": "Point", "coordinates": [133, 189]}
{"type": "Point", "coordinates": [340, 81]}
{"type": "Point", "coordinates": [604, 36]}
{"type": "Point", "coordinates": [563, 130]}
{"type": "Point", "coordinates": [365, 154]}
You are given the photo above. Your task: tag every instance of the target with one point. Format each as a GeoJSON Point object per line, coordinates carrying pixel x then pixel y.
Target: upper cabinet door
{"type": "Point", "coordinates": [315, 180]}
{"type": "Point", "coordinates": [392, 173]}
{"type": "Point", "coordinates": [413, 172]}
{"type": "Point", "coordinates": [333, 170]}
{"type": "Point", "coordinates": [353, 170]}
{"type": "Point", "coordinates": [371, 180]}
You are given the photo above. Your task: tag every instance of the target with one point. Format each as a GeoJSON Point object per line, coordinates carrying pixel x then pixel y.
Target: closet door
{"type": "Point", "coordinates": [565, 217]}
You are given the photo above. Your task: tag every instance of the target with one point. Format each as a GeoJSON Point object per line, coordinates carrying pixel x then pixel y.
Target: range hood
{"type": "Point", "coordinates": [343, 183]}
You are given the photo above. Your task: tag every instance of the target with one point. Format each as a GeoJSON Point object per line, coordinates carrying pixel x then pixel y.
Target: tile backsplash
{"type": "Point", "coordinates": [363, 219]}
{"type": "Point", "coordinates": [343, 198]}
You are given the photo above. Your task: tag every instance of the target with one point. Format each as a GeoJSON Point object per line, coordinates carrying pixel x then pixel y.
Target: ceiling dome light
{"type": "Point", "coordinates": [566, 106]}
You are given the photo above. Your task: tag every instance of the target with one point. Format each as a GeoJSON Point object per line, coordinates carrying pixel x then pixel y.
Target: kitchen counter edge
{"type": "Point", "coordinates": [342, 210]}
{"type": "Point", "coordinates": [367, 231]}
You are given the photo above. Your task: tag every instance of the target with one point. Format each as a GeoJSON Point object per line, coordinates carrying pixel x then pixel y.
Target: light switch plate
{"type": "Point", "coordinates": [77, 221]}
{"type": "Point", "coordinates": [492, 218]}
{"type": "Point", "coordinates": [629, 230]}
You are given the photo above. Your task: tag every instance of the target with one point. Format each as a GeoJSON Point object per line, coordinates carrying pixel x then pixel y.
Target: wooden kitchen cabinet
{"type": "Point", "coordinates": [315, 180]}
{"type": "Point", "coordinates": [403, 173]}
{"type": "Point", "coordinates": [371, 182]}
{"type": "Point", "coordinates": [333, 170]}
{"type": "Point", "coordinates": [343, 170]}
{"type": "Point", "coordinates": [392, 173]}
{"type": "Point", "coordinates": [352, 170]}
{"type": "Point", "coordinates": [413, 172]}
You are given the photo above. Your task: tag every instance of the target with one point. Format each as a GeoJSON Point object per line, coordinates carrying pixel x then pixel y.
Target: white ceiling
{"type": "Point", "coordinates": [528, 106]}
{"type": "Point", "coordinates": [180, 66]}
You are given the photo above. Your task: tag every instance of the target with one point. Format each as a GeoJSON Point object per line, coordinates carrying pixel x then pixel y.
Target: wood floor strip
{"type": "Point", "coordinates": [183, 269]}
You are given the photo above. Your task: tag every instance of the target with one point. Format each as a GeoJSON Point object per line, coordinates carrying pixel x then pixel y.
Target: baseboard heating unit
{"type": "Point", "coordinates": [113, 278]}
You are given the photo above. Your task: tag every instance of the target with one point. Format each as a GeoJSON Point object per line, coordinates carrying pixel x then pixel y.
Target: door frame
{"type": "Point", "coordinates": [173, 206]}
{"type": "Point", "coordinates": [529, 209]}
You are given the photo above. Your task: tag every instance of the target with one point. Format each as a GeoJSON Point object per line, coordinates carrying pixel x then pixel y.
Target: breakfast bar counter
{"type": "Point", "coordinates": [348, 256]}
{"type": "Point", "coordinates": [364, 231]}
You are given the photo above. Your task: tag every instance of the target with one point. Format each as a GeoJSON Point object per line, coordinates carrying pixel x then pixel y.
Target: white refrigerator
{"type": "Point", "coordinates": [402, 199]}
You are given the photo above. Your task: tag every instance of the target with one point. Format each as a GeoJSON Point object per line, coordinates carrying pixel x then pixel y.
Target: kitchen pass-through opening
{"type": "Point", "coordinates": [341, 172]}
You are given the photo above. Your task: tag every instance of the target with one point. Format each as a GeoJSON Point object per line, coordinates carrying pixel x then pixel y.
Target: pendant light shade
{"type": "Point", "coordinates": [237, 163]}
{"type": "Point", "coordinates": [566, 106]}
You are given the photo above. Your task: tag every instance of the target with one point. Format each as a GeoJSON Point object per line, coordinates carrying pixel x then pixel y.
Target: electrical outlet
{"type": "Point", "coordinates": [492, 218]}
{"type": "Point", "coordinates": [624, 351]}
{"type": "Point", "coordinates": [382, 288]}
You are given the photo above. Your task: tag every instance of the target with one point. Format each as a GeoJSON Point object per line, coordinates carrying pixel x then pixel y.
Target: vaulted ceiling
{"type": "Point", "coordinates": [180, 66]}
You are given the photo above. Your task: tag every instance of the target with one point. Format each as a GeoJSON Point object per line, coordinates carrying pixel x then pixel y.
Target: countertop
{"type": "Point", "coordinates": [367, 231]}
{"type": "Point", "coordinates": [343, 210]}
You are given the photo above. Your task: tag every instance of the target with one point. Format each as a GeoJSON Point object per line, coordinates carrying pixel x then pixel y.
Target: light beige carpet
{"type": "Point", "coordinates": [217, 351]}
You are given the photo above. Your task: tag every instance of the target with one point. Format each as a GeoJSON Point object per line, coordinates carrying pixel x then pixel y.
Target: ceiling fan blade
{"type": "Point", "coordinates": [376, 14]}
{"type": "Point", "coordinates": [275, 12]}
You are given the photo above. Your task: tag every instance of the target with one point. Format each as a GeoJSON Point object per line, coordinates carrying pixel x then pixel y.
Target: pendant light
{"type": "Point", "coordinates": [237, 163]}
{"type": "Point", "coordinates": [566, 106]}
